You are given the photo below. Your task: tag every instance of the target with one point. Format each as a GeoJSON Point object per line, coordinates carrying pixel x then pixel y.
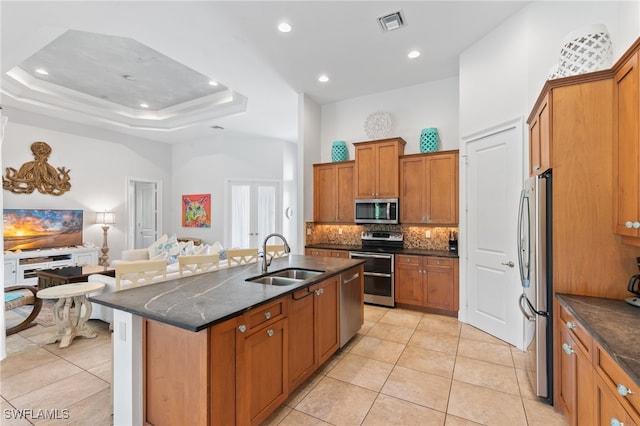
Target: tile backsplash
{"type": "Point", "coordinates": [414, 236]}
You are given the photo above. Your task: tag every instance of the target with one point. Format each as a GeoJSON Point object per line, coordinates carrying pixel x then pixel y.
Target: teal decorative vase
{"type": "Point", "coordinates": [429, 140]}
{"type": "Point", "coordinates": [339, 151]}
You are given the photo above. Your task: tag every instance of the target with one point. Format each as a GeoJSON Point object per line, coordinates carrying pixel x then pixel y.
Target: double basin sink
{"type": "Point", "coordinates": [287, 276]}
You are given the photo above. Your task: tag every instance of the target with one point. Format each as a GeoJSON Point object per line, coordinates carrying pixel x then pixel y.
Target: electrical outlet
{"type": "Point", "coordinates": [427, 233]}
{"type": "Point", "coordinates": [339, 231]}
{"type": "Point", "coordinates": [123, 331]}
{"type": "Point", "coordinates": [308, 231]}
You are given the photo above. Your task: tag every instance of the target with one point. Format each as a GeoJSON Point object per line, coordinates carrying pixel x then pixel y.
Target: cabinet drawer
{"type": "Point", "coordinates": [408, 260]}
{"type": "Point", "coordinates": [617, 380]}
{"type": "Point", "coordinates": [439, 261]}
{"type": "Point", "coordinates": [579, 333]}
{"type": "Point", "coordinates": [271, 312]}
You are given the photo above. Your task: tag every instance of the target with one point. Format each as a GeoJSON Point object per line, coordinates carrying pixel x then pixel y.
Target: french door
{"type": "Point", "coordinates": [254, 212]}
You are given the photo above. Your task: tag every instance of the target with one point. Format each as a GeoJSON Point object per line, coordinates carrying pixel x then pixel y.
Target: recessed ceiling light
{"type": "Point", "coordinates": [413, 54]}
{"type": "Point", "coordinates": [143, 105]}
{"type": "Point", "coordinates": [42, 71]}
{"type": "Point", "coordinates": [213, 83]}
{"type": "Point", "coordinates": [284, 27]}
{"type": "Point", "coordinates": [323, 78]}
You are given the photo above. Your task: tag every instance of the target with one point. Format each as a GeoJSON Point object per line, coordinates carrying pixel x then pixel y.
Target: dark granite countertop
{"type": "Point", "coordinates": [200, 301]}
{"type": "Point", "coordinates": [613, 323]}
{"type": "Point", "coordinates": [414, 251]}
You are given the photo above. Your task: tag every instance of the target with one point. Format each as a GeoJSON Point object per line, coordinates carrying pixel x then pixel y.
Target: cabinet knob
{"type": "Point", "coordinates": [267, 315]}
{"type": "Point", "coordinates": [270, 332]}
{"type": "Point", "coordinates": [623, 390]}
{"type": "Point", "coordinates": [570, 325]}
{"type": "Point", "coordinates": [567, 349]}
{"type": "Point", "coordinates": [242, 328]}
{"type": "Point", "coordinates": [536, 167]}
{"type": "Point", "coordinates": [437, 262]}
{"type": "Point", "coordinates": [616, 422]}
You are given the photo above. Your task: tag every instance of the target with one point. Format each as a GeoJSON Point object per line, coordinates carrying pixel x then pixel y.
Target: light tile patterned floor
{"type": "Point", "coordinates": [403, 368]}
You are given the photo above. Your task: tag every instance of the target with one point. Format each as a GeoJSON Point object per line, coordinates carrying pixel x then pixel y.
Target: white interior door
{"type": "Point", "coordinates": [144, 211]}
{"type": "Point", "coordinates": [253, 214]}
{"type": "Point", "coordinates": [493, 182]}
{"type": "Point", "coordinates": [146, 214]}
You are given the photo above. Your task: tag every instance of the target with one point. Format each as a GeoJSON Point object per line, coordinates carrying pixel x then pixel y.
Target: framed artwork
{"type": "Point", "coordinates": [196, 211]}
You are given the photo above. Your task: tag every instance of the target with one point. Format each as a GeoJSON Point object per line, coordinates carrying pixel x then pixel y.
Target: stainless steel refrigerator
{"type": "Point", "coordinates": [535, 262]}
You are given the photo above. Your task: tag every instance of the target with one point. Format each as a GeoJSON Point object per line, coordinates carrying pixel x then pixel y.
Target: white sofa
{"type": "Point", "coordinates": [105, 313]}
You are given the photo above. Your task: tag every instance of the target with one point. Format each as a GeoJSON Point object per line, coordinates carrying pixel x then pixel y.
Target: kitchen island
{"type": "Point", "coordinates": [217, 349]}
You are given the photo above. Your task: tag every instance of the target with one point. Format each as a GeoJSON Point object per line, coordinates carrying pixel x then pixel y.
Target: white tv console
{"type": "Point", "coordinates": [22, 267]}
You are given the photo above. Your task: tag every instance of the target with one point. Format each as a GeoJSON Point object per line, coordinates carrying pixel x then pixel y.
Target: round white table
{"type": "Point", "coordinates": [71, 324]}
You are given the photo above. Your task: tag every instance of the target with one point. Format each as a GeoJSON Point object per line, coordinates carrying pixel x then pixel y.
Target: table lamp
{"type": "Point", "coordinates": [106, 219]}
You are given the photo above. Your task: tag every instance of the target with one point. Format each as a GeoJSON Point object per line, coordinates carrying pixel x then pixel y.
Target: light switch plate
{"type": "Point", "coordinates": [427, 233]}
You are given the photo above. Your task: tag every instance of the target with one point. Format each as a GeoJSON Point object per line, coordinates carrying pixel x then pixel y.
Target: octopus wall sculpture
{"type": "Point", "coordinates": [37, 174]}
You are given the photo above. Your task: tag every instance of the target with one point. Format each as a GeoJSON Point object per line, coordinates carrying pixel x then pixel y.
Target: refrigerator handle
{"type": "Point", "coordinates": [523, 298]}
{"type": "Point", "coordinates": [521, 211]}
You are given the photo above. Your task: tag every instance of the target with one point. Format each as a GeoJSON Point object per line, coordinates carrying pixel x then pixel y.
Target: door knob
{"type": "Point", "coordinates": [510, 264]}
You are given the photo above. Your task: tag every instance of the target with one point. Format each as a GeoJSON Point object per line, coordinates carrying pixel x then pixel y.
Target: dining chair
{"type": "Point", "coordinates": [237, 257]}
{"type": "Point", "coordinates": [198, 263]}
{"type": "Point", "coordinates": [143, 272]}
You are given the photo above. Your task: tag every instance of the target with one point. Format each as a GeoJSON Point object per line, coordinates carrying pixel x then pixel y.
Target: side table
{"type": "Point", "coordinates": [71, 324]}
{"type": "Point", "coordinates": [70, 274]}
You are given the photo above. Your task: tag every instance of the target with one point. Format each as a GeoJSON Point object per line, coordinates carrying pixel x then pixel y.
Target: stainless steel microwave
{"type": "Point", "coordinates": [376, 210]}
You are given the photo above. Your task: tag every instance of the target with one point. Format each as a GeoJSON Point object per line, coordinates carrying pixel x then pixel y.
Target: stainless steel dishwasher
{"type": "Point", "coordinates": [351, 293]}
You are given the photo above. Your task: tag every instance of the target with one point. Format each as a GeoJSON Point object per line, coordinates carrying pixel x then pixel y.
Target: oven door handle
{"type": "Point", "coordinates": [377, 274]}
{"type": "Point", "coordinates": [377, 256]}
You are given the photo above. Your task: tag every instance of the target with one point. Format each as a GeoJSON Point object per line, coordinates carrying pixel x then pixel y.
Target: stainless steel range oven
{"type": "Point", "coordinates": [377, 251]}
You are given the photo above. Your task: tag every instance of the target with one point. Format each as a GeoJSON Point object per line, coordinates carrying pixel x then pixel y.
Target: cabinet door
{"type": "Point", "coordinates": [366, 171]}
{"type": "Point", "coordinates": [442, 189]}
{"type": "Point", "coordinates": [408, 280]}
{"type": "Point", "coordinates": [627, 149]}
{"type": "Point", "coordinates": [438, 288]}
{"type": "Point", "coordinates": [263, 372]}
{"type": "Point", "coordinates": [344, 192]}
{"type": "Point", "coordinates": [576, 381]}
{"type": "Point", "coordinates": [10, 270]}
{"type": "Point", "coordinates": [387, 170]}
{"type": "Point", "coordinates": [302, 359]}
{"type": "Point", "coordinates": [327, 319]}
{"type": "Point", "coordinates": [413, 182]}
{"type": "Point", "coordinates": [540, 139]}
{"type": "Point", "coordinates": [324, 193]}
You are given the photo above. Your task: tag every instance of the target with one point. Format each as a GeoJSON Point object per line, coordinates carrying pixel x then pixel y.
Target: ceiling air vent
{"type": "Point", "coordinates": [391, 22]}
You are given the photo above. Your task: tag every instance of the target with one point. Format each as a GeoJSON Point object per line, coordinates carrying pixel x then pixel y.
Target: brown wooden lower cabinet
{"type": "Point", "coordinates": [239, 371]}
{"type": "Point", "coordinates": [591, 386]}
{"type": "Point", "coordinates": [427, 281]}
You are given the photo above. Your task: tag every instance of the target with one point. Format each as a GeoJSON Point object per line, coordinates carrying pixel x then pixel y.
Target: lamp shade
{"type": "Point", "coordinates": [106, 218]}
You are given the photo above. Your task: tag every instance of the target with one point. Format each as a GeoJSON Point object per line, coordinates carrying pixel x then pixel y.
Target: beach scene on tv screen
{"type": "Point", "coordinates": [40, 229]}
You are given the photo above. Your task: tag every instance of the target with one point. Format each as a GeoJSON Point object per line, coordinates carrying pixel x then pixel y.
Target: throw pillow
{"type": "Point", "coordinates": [156, 247]}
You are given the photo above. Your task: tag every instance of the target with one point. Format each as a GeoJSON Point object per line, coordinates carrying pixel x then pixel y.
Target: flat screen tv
{"type": "Point", "coordinates": [31, 229]}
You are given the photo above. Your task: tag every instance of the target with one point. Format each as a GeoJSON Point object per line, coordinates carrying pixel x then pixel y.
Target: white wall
{"type": "Point", "coordinates": [309, 135]}
{"type": "Point", "coordinates": [204, 167]}
{"type": "Point", "coordinates": [99, 168]}
{"type": "Point", "coordinates": [411, 108]}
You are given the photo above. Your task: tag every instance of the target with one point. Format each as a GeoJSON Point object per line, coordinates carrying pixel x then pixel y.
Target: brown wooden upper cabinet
{"type": "Point", "coordinates": [376, 168]}
{"type": "Point", "coordinates": [429, 188]}
{"type": "Point", "coordinates": [540, 137]}
{"type": "Point", "coordinates": [333, 192]}
{"type": "Point", "coordinates": [626, 151]}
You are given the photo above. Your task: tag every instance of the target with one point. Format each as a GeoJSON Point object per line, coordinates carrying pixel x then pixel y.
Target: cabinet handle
{"type": "Point", "coordinates": [570, 325]}
{"type": "Point", "coordinates": [616, 422]}
{"type": "Point", "coordinates": [623, 390]}
{"type": "Point", "coordinates": [634, 225]}
{"type": "Point", "coordinates": [242, 328]}
{"type": "Point", "coordinates": [318, 292]}
{"type": "Point", "coordinates": [270, 332]}
{"type": "Point", "coordinates": [568, 350]}
{"type": "Point", "coordinates": [267, 315]}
